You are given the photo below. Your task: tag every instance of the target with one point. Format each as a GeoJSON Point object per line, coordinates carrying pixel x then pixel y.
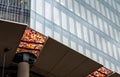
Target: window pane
{"type": "Point", "coordinates": [117, 20]}
{"type": "Point", "coordinates": [76, 7]}
{"type": "Point", "coordinates": [118, 7]}
{"type": "Point", "coordinates": [101, 60]}
{"type": "Point", "coordinates": [48, 31]}
{"type": "Point", "coordinates": [83, 12]}
{"type": "Point", "coordinates": [106, 28]}
{"type": "Point", "coordinates": [100, 24]}
{"type": "Point", "coordinates": [39, 6]}
{"type": "Point", "coordinates": [118, 52]}
{"type": "Point", "coordinates": [32, 23]}
{"type": "Point", "coordinates": [116, 34]}
{"type": "Point", "coordinates": [95, 20]}
{"type": "Point", "coordinates": [92, 41]}
{"type": "Point", "coordinates": [63, 2]}
{"type": "Point", "coordinates": [85, 34]}
{"type": "Point", "coordinates": [79, 30]}
{"type": "Point", "coordinates": [114, 5]}
{"type": "Point", "coordinates": [56, 16]}
{"type": "Point", "coordinates": [56, 35]}
{"type": "Point", "coordinates": [115, 52]}
{"type": "Point", "coordinates": [80, 49]}
{"type": "Point", "coordinates": [88, 53]}
{"type": "Point", "coordinates": [109, 48]}
{"type": "Point", "coordinates": [111, 31]}
{"type": "Point", "coordinates": [70, 5]}
{"type": "Point", "coordinates": [98, 42]}
{"type": "Point", "coordinates": [107, 12]}
{"type": "Point", "coordinates": [39, 27]}
{"type": "Point", "coordinates": [104, 45]}
{"type": "Point", "coordinates": [102, 9]}
{"type": "Point", "coordinates": [97, 5]}
{"type": "Point", "coordinates": [33, 5]}
{"type": "Point", "coordinates": [92, 2]}
{"type": "Point", "coordinates": [73, 45]}
{"type": "Point", "coordinates": [47, 11]}
{"type": "Point", "coordinates": [64, 21]}
{"type": "Point", "coordinates": [72, 27]}
{"type": "Point", "coordinates": [112, 16]}
{"type": "Point", "coordinates": [65, 40]}
{"type": "Point", "coordinates": [94, 56]}
{"type": "Point", "coordinates": [89, 16]}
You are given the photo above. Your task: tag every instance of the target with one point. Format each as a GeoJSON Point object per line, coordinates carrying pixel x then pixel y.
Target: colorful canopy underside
{"type": "Point", "coordinates": [32, 42]}
{"type": "Point", "coordinates": [101, 72]}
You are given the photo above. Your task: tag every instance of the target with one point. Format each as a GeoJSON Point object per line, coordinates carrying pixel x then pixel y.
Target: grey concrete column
{"type": "Point", "coordinates": [24, 60]}
{"type": "Point", "coordinates": [23, 69]}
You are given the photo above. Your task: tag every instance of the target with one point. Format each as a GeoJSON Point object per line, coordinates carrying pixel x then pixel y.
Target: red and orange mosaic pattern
{"type": "Point", "coordinates": [32, 42]}
{"type": "Point", "coordinates": [101, 72]}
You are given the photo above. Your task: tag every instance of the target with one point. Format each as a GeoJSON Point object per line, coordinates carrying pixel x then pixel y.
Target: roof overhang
{"type": "Point", "coordinates": [55, 60]}
{"type": "Point", "coordinates": [58, 60]}
{"type": "Point", "coordinates": [10, 35]}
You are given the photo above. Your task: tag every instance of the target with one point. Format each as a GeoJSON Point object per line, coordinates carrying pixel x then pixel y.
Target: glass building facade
{"type": "Point", "coordinates": [15, 10]}
{"type": "Point", "coordinates": [91, 27]}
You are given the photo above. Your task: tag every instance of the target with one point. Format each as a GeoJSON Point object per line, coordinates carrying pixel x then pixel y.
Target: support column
{"type": "Point", "coordinates": [24, 60]}
{"type": "Point", "coordinates": [23, 69]}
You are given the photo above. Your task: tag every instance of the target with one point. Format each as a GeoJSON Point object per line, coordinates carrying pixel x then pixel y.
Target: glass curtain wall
{"type": "Point", "coordinates": [15, 10]}
{"type": "Point", "coordinates": [91, 27]}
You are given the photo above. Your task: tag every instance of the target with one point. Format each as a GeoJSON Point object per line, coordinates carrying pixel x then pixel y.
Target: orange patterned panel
{"type": "Point", "coordinates": [33, 36]}
{"type": "Point", "coordinates": [30, 45]}
{"type": "Point", "coordinates": [105, 71]}
{"type": "Point", "coordinates": [101, 72]}
{"type": "Point", "coordinates": [97, 74]}
{"type": "Point", "coordinates": [35, 52]}
{"type": "Point", "coordinates": [32, 42]}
